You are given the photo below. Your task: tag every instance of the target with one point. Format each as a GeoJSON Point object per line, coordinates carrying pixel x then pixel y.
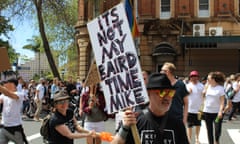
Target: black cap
{"type": "Point", "coordinates": [60, 95]}
{"type": "Point", "coordinates": [158, 81]}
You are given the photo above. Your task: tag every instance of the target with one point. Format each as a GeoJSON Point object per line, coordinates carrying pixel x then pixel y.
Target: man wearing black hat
{"type": "Point", "coordinates": [154, 124]}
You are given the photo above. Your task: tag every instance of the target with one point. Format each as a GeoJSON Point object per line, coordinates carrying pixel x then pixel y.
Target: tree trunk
{"type": "Point", "coordinates": [38, 5]}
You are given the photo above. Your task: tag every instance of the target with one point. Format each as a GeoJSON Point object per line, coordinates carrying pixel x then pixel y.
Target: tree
{"type": "Point", "coordinates": [38, 6]}
{"type": "Point", "coordinates": [59, 16]}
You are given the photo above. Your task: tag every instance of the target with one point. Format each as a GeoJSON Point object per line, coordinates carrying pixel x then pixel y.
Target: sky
{"type": "Point", "coordinates": [18, 38]}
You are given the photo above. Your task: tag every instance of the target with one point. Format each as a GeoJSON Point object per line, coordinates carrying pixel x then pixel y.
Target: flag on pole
{"type": "Point", "coordinates": [131, 18]}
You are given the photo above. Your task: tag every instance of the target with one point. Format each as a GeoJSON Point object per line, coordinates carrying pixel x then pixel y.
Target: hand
{"type": "Point", "coordinates": [80, 112]}
{"type": "Point", "coordinates": [91, 104]}
{"type": "Point", "coordinates": [190, 90]}
{"type": "Point", "coordinates": [220, 115]}
{"type": "Point", "coordinates": [129, 118]}
{"type": "Point", "coordinates": [93, 134]}
{"type": "Point", "coordinates": [185, 121]}
{"type": "Point", "coordinates": [37, 100]}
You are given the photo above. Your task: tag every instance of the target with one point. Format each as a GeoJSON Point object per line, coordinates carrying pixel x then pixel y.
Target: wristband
{"type": "Point", "coordinates": [126, 128]}
{"type": "Point", "coordinates": [123, 131]}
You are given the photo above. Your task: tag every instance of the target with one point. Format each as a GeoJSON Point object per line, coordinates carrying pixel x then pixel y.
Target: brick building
{"type": "Point", "coordinates": [193, 34]}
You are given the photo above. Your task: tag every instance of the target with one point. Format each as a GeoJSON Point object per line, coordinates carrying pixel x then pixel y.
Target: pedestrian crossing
{"type": "Point", "coordinates": [203, 134]}
{"type": "Point", "coordinates": [233, 133]}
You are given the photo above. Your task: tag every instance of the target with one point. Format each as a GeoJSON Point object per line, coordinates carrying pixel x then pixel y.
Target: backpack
{"type": "Point", "coordinates": [44, 129]}
{"type": "Point", "coordinates": [230, 92]}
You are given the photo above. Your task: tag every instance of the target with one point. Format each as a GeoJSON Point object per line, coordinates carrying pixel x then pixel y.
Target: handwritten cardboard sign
{"type": "Point", "coordinates": [93, 76]}
{"type": "Point", "coordinates": [4, 60]}
{"type": "Point", "coordinates": [117, 61]}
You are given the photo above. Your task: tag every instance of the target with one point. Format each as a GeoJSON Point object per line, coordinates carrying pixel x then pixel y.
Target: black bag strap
{"type": "Point", "coordinates": [161, 126]}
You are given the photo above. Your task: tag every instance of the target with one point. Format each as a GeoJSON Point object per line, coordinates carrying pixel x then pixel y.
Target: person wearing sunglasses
{"type": "Point", "coordinates": [63, 125]}
{"type": "Point", "coordinates": [153, 123]}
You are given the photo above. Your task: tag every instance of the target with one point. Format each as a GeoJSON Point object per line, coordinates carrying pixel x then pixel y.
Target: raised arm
{"type": "Point", "coordinates": [8, 93]}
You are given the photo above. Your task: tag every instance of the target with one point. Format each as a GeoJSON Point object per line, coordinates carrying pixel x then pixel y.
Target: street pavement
{"type": "Point", "coordinates": [230, 132]}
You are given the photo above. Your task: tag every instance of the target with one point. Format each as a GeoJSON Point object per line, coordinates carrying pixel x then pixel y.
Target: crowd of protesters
{"type": "Point", "coordinates": [38, 94]}
{"type": "Point", "coordinates": [195, 99]}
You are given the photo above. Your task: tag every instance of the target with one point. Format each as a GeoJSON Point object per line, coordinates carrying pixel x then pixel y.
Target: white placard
{"type": "Point", "coordinates": [117, 60]}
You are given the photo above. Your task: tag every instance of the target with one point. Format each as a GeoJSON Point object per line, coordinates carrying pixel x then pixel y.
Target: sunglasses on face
{"type": "Point", "coordinates": [62, 101]}
{"type": "Point", "coordinates": [165, 92]}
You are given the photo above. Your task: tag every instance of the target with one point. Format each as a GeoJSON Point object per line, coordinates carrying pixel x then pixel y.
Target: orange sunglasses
{"type": "Point", "coordinates": [165, 92]}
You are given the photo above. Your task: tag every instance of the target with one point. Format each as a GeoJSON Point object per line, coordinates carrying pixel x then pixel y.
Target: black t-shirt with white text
{"type": "Point", "coordinates": [174, 131]}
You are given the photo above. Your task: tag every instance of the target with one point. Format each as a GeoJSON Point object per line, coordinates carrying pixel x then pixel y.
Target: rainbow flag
{"type": "Point", "coordinates": [131, 18]}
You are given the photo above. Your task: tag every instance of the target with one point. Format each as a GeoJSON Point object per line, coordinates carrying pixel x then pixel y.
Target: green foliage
{"type": "Point", "coordinates": [34, 44]}
{"type": "Point", "coordinates": [4, 26]}
{"type": "Point", "coordinates": [60, 17]}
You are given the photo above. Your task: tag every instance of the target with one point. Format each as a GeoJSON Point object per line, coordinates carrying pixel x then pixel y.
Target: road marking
{"type": "Point", "coordinates": [32, 137]}
{"type": "Point", "coordinates": [234, 134]}
{"type": "Point", "coordinates": [203, 134]}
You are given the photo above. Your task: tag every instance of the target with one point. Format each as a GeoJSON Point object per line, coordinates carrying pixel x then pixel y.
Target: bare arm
{"type": "Point", "coordinates": [64, 130]}
{"type": "Point", "coordinates": [185, 110]}
{"type": "Point", "coordinates": [78, 127]}
{"type": "Point", "coordinates": [8, 93]}
{"type": "Point", "coordinates": [221, 109]}
{"type": "Point", "coordinates": [80, 106]}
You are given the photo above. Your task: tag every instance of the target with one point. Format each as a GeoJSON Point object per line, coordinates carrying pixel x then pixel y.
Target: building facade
{"type": "Point", "coordinates": [201, 35]}
{"type": "Point", "coordinates": [36, 66]}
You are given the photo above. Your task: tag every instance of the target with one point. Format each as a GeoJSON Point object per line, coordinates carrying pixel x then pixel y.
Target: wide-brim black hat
{"type": "Point", "coordinates": [60, 95]}
{"type": "Point", "coordinates": [158, 81]}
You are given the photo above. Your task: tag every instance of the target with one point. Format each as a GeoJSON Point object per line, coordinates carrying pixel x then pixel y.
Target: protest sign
{"type": "Point", "coordinates": [93, 76]}
{"type": "Point", "coordinates": [4, 60]}
{"type": "Point", "coordinates": [116, 59]}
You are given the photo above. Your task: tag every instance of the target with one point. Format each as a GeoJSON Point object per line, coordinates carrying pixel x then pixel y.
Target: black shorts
{"type": "Point", "coordinates": [192, 120]}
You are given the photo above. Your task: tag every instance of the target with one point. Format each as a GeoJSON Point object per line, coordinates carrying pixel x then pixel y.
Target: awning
{"type": "Point", "coordinates": [209, 39]}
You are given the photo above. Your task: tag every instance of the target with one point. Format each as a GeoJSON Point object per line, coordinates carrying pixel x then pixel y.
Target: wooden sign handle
{"type": "Point", "coordinates": [135, 134]}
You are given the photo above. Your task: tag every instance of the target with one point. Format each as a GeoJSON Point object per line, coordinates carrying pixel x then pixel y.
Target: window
{"type": "Point", "coordinates": [165, 11]}
{"type": "Point", "coordinates": [203, 10]}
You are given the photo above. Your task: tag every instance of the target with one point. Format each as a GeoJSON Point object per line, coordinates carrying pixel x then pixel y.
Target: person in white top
{"type": "Point", "coordinates": [214, 105]}
{"type": "Point", "coordinates": [39, 94]}
{"type": "Point", "coordinates": [11, 125]}
{"type": "Point", "coordinates": [25, 105]}
{"type": "Point", "coordinates": [20, 83]}
{"type": "Point", "coordinates": [54, 89]}
{"type": "Point", "coordinates": [195, 99]}
{"type": "Point", "coordinates": [236, 98]}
